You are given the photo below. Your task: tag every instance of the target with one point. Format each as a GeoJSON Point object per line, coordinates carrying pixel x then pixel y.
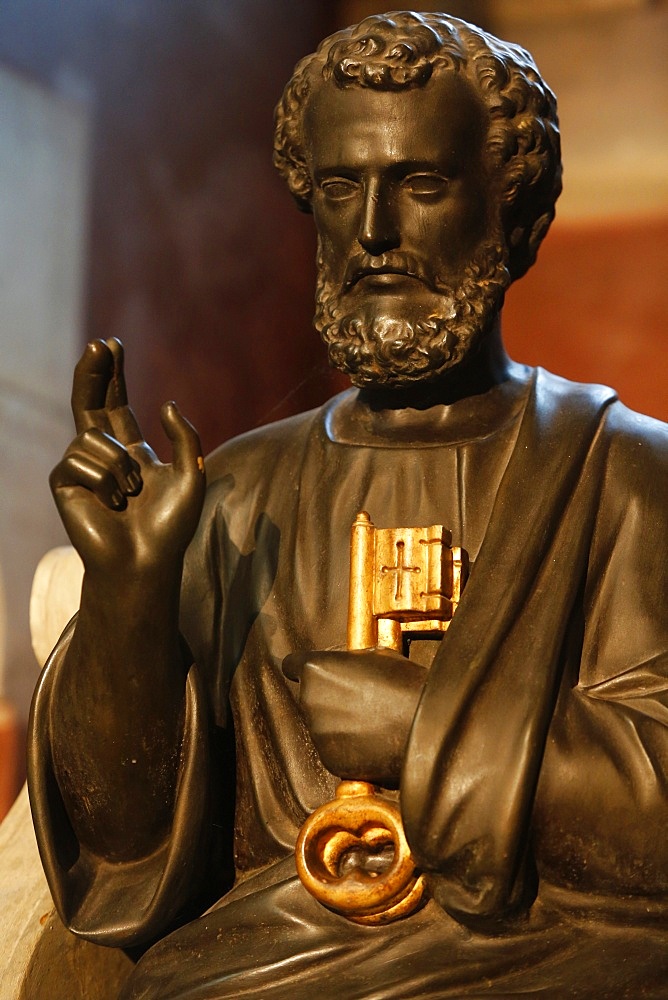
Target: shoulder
{"type": "Point", "coordinates": [567, 397]}
{"type": "Point", "coordinates": [631, 430]}
{"type": "Point", "coordinates": [637, 466]}
{"type": "Point", "coordinates": [625, 429]}
{"type": "Point", "coordinates": [252, 480]}
{"type": "Point", "coordinates": [262, 447]}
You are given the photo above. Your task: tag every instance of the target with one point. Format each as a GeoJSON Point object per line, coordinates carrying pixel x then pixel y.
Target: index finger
{"type": "Point", "coordinates": [92, 375]}
{"type": "Point", "coordinates": [123, 420]}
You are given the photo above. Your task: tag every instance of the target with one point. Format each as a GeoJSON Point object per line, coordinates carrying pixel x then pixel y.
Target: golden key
{"type": "Point", "coordinates": [404, 583]}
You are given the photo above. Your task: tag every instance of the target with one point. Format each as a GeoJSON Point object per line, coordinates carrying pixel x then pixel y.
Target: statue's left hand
{"type": "Point", "coordinates": [359, 706]}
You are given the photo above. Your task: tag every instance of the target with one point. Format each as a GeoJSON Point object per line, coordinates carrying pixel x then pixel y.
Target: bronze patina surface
{"type": "Point", "coordinates": [203, 704]}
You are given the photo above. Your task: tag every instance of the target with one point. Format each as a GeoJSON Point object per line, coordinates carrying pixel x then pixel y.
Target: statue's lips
{"type": "Point", "coordinates": [383, 277]}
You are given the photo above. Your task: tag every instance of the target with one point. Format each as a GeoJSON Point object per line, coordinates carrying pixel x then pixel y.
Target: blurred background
{"type": "Point", "coordinates": [138, 200]}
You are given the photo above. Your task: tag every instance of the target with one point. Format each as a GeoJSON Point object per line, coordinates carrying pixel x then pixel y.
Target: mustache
{"type": "Point", "coordinates": [394, 262]}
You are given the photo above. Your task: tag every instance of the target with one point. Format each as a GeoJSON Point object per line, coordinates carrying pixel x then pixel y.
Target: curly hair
{"type": "Point", "coordinates": [400, 50]}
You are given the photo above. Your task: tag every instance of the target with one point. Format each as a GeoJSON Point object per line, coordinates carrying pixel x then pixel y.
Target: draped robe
{"type": "Point", "coordinates": [537, 757]}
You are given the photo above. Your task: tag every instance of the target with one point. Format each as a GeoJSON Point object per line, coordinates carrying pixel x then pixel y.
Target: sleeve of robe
{"type": "Point", "coordinates": [602, 803]}
{"type": "Point", "coordinates": [110, 902]}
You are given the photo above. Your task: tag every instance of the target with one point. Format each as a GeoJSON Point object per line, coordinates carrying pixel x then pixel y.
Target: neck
{"type": "Point", "coordinates": [470, 400]}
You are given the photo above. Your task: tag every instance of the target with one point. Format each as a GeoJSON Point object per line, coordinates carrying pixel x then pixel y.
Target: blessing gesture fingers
{"type": "Point", "coordinates": [116, 499]}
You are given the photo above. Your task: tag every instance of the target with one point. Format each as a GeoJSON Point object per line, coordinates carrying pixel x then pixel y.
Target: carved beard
{"type": "Point", "coordinates": [400, 350]}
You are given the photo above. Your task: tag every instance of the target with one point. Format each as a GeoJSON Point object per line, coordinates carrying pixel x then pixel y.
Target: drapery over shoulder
{"type": "Point", "coordinates": [571, 577]}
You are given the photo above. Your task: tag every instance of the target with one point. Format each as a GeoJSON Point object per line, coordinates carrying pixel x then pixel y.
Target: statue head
{"type": "Point", "coordinates": [439, 144]}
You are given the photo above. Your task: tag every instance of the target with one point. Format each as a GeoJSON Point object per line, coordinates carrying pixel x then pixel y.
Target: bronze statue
{"type": "Point", "coordinates": [172, 766]}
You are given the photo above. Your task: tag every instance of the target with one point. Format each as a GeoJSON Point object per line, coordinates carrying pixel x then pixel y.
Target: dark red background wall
{"type": "Point", "coordinates": [595, 308]}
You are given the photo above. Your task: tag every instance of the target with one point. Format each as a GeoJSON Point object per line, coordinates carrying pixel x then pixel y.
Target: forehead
{"type": "Point", "coordinates": [443, 123]}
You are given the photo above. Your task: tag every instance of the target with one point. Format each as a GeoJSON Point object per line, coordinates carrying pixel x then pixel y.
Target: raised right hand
{"type": "Point", "coordinates": [123, 509]}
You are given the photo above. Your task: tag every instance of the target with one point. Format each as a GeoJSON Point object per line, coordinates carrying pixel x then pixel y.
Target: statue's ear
{"type": "Point", "coordinates": [303, 204]}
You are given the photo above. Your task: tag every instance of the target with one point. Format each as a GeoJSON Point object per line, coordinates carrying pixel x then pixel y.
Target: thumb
{"type": "Point", "coordinates": [186, 448]}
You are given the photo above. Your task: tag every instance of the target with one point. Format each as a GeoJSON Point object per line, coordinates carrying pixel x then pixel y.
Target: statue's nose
{"type": "Point", "coordinates": [379, 229]}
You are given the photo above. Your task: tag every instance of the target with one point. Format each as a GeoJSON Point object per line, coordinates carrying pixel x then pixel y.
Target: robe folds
{"type": "Point", "coordinates": [534, 788]}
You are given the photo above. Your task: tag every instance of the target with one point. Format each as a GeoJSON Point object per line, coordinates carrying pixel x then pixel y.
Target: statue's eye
{"type": "Point", "coordinates": [339, 188]}
{"type": "Point", "coordinates": [425, 184]}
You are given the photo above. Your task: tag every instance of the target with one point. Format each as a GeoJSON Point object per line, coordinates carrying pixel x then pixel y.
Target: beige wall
{"type": "Point", "coordinates": [595, 307]}
{"type": "Point", "coordinates": [609, 70]}
{"type": "Point", "coordinates": [43, 184]}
